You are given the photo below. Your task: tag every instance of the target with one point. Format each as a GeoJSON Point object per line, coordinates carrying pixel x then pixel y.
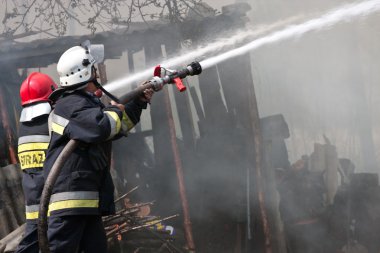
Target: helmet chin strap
{"type": "Point", "coordinates": [99, 86]}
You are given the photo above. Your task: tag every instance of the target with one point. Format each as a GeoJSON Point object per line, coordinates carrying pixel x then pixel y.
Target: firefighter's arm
{"type": "Point", "coordinates": [84, 122]}
{"type": "Point", "coordinates": [133, 109]}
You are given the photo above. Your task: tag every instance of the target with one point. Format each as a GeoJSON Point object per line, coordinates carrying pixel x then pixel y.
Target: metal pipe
{"type": "Point", "coordinates": [258, 150]}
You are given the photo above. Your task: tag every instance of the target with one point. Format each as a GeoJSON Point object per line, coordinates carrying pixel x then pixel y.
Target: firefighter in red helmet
{"type": "Point", "coordinates": [32, 145]}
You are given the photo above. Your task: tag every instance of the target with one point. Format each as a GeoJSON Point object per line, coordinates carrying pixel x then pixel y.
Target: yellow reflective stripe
{"type": "Point", "coordinates": [31, 212]}
{"type": "Point", "coordinates": [73, 203]}
{"type": "Point", "coordinates": [127, 123]}
{"type": "Point", "coordinates": [32, 215]}
{"type": "Point", "coordinates": [31, 159]}
{"type": "Point", "coordinates": [115, 122]}
{"type": "Point", "coordinates": [57, 123]}
{"type": "Point", "coordinates": [33, 146]}
{"type": "Point", "coordinates": [57, 128]}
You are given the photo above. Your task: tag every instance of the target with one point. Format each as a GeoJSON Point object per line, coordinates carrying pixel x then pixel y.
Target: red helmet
{"type": "Point", "coordinates": [36, 88]}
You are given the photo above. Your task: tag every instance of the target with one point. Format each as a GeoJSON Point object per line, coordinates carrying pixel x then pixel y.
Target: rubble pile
{"type": "Point", "coordinates": [133, 229]}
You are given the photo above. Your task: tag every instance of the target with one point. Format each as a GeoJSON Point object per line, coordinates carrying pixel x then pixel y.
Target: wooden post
{"type": "Point", "coordinates": [9, 139]}
{"type": "Point", "coordinates": [13, 175]}
{"type": "Point", "coordinates": [258, 148]}
{"type": "Point", "coordinates": [318, 158]}
{"type": "Point", "coordinates": [325, 159]}
{"type": "Point", "coordinates": [236, 95]}
{"type": "Point", "coordinates": [331, 172]}
{"type": "Point", "coordinates": [8, 209]}
{"type": "Point", "coordinates": [181, 181]}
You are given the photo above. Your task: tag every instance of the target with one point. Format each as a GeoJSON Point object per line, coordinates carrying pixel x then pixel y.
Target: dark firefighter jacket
{"type": "Point", "coordinates": [84, 185]}
{"type": "Point", "coordinates": [32, 145]}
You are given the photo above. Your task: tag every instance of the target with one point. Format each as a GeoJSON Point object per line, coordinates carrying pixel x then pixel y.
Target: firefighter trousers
{"type": "Point", "coordinates": [29, 242]}
{"type": "Point", "coordinates": [77, 233]}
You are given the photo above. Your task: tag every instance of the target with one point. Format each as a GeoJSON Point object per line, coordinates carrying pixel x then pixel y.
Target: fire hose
{"type": "Point", "coordinates": [156, 83]}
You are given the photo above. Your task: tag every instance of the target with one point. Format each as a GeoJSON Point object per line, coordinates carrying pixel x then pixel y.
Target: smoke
{"type": "Point", "coordinates": [190, 54]}
{"type": "Point", "coordinates": [326, 82]}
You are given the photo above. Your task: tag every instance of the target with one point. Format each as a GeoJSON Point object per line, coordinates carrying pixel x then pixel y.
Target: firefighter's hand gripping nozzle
{"type": "Point", "coordinates": [158, 82]}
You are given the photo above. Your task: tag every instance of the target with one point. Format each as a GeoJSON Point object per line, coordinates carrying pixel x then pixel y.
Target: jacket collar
{"type": "Point", "coordinates": [30, 112]}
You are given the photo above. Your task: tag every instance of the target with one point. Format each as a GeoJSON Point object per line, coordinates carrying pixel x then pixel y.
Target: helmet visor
{"type": "Point", "coordinates": [97, 51]}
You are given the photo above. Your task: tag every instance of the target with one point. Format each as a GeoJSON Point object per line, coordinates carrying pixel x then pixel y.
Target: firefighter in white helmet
{"type": "Point", "coordinates": [84, 189]}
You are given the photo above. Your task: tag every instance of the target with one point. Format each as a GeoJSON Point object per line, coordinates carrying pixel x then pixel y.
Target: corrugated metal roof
{"type": "Point", "coordinates": [42, 52]}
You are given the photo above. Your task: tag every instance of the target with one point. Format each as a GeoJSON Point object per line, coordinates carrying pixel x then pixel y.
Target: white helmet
{"type": "Point", "coordinates": [75, 65]}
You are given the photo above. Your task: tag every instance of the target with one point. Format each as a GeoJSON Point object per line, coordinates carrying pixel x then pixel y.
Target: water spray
{"type": "Point", "coordinates": [186, 55]}
{"type": "Point", "coordinates": [342, 14]}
